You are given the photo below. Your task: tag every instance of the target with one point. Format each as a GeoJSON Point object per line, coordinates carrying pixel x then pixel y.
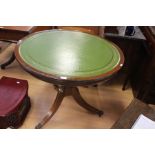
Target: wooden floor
{"type": "Point", "coordinates": [108, 97]}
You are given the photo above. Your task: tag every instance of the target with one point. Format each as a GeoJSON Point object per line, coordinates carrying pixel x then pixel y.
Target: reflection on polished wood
{"type": "Point", "coordinates": [109, 98]}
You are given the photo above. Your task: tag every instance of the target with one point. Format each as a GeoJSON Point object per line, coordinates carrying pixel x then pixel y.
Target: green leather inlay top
{"type": "Point", "coordinates": [69, 53]}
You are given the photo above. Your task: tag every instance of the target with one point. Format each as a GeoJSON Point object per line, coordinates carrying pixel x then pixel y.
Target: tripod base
{"type": "Point", "coordinates": [67, 91]}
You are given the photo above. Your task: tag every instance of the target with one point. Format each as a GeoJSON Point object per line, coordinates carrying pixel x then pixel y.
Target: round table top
{"type": "Point", "coordinates": [68, 55]}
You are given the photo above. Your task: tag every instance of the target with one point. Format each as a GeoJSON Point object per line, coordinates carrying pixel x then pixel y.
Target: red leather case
{"type": "Point", "coordinates": [14, 102]}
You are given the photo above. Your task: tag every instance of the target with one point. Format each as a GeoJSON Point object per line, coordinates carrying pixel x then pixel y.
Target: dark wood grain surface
{"type": "Point", "coordinates": [17, 28]}
{"type": "Point", "coordinates": [18, 32]}
{"type": "Point", "coordinates": [132, 112]}
{"type": "Point", "coordinates": [95, 30]}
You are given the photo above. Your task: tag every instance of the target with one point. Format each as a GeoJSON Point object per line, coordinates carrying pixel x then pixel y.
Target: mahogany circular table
{"type": "Point", "coordinates": [68, 59]}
